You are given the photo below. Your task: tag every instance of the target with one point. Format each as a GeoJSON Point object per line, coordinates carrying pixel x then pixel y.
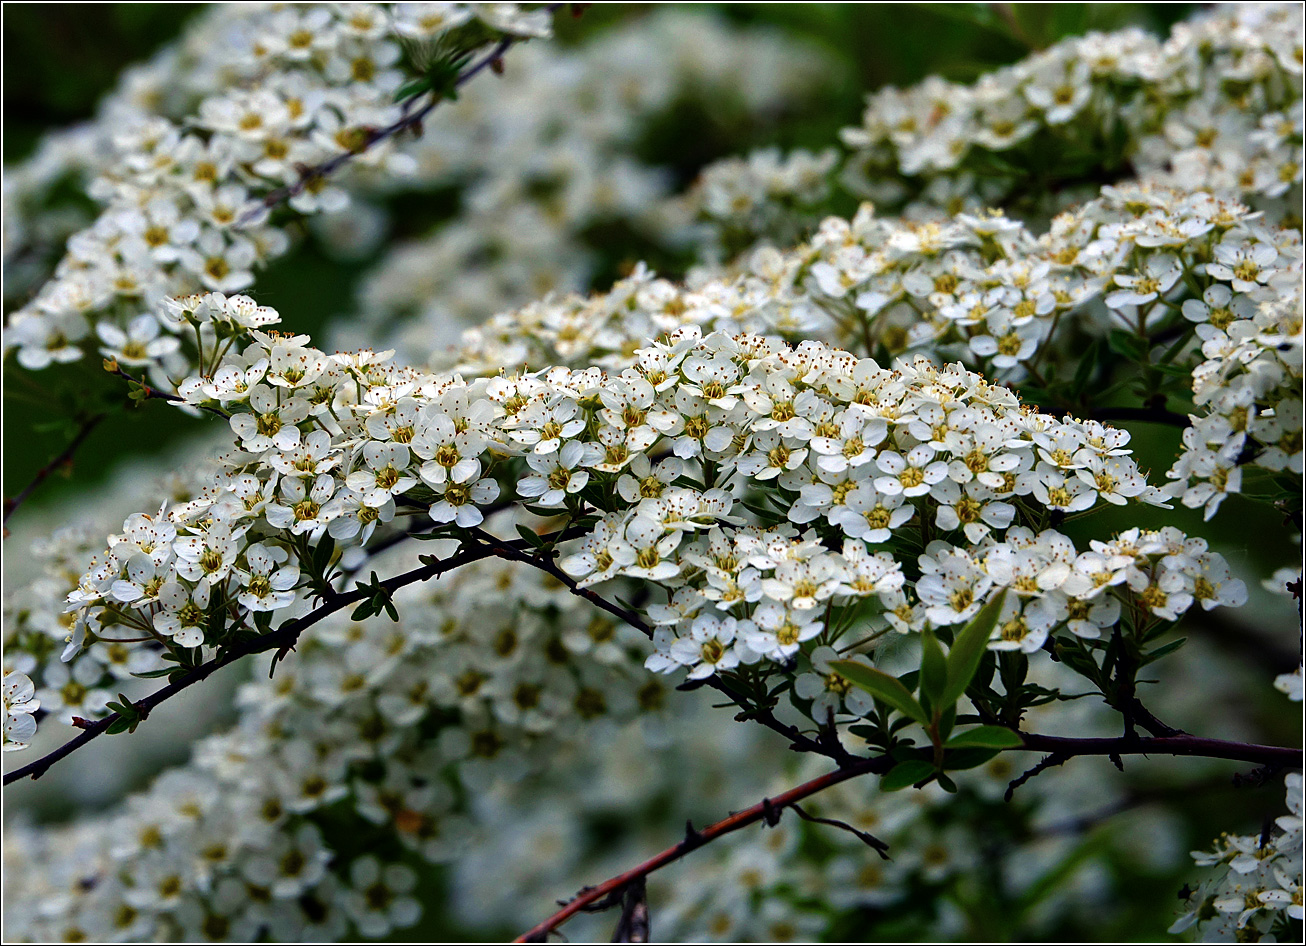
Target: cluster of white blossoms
{"type": "Point", "coordinates": [20, 703]}
{"type": "Point", "coordinates": [395, 722]}
{"type": "Point", "coordinates": [1259, 883]}
{"type": "Point", "coordinates": [1164, 270]}
{"type": "Point", "coordinates": [187, 153]}
{"type": "Point", "coordinates": [759, 455]}
{"type": "Point", "coordinates": [1216, 106]}
{"type": "Point", "coordinates": [1250, 386]}
{"type": "Point", "coordinates": [767, 194]}
{"type": "Point", "coordinates": [548, 153]}
{"type": "Point", "coordinates": [756, 482]}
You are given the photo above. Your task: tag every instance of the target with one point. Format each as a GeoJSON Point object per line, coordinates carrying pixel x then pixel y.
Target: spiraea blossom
{"type": "Point", "coordinates": [826, 451]}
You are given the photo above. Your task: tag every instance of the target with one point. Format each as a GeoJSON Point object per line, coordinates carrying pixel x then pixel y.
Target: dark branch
{"type": "Point", "coordinates": [762, 811]}
{"type": "Point", "coordinates": [64, 459]}
{"type": "Point", "coordinates": [282, 640]}
{"type": "Point", "coordinates": [410, 119]}
{"type": "Point", "coordinates": [1164, 745]}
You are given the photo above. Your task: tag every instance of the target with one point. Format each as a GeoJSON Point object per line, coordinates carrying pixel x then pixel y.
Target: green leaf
{"type": "Point", "coordinates": [1085, 369]}
{"type": "Point", "coordinates": [1128, 344]}
{"type": "Point", "coordinates": [934, 671]}
{"type": "Point", "coordinates": [1161, 651]}
{"type": "Point", "coordinates": [414, 87]}
{"type": "Point", "coordinates": [881, 686]}
{"type": "Point", "coordinates": [906, 773]}
{"type": "Point", "coordinates": [968, 649]}
{"type": "Point", "coordinates": [530, 536]}
{"type": "Point", "coordinates": [988, 737]}
{"type": "Point", "coordinates": [429, 536]}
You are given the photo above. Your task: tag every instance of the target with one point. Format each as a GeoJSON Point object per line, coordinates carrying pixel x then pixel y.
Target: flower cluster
{"type": "Point", "coordinates": [791, 457]}
{"type": "Point", "coordinates": [758, 483]}
{"type": "Point", "coordinates": [1259, 886]}
{"type": "Point", "coordinates": [766, 194]}
{"type": "Point", "coordinates": [20, 704]}
{"type": "Point", "coordinates": [394, 721]}
{"type": "Point", "coordinates": [267, 91]}
{"type": "Point", "coordinates": [567, 166]}
{"type": "Point", "coordinates": [1250, 385]}
{"type": "Point", "coordinates": [1216, 106]}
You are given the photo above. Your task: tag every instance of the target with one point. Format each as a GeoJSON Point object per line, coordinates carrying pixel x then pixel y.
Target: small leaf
{"type": "Point", "coordinates": [934, 670]}
{"type": "Point", "coordinates": [428, 536]}
{"type": "Point", "coordinates": [412, 88]}
{"type": "Point", "coordinates": [968, 649]}
{"type": "Point", "coordinates": [531, 537]}
{"type": "Point", "coordinates": [988, 737]}
{"type": "Point", "coordinates": [1085, 369]}
{"type": "Point", "coordinates": [1128, 344]}
{"type": "Point", "coordinates": [1162, 651]}
{"type": "Point", "coordinates": [881, 686]}
{"type": "Point", "coordinates": [906, 773]}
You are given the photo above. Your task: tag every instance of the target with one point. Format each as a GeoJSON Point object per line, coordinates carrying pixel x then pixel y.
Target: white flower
{"type": "Point", "coordinates": [558, 474]}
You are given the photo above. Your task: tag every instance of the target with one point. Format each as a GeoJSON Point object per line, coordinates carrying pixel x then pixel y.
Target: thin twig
{"type": "Point", "coordinates": [865, 837]}
{"type": "Point", "coordinates": [63, 459]}
{"type": "Point", "coordinates": [282, 640]}
{"type": "Point", "coordinates": [763, 715]}
{"type": "Point", "coordinates": [762, 811]}
{"type": "Point", "coordinates": [1047, 762]}
{"type": "Point", "coordinates": [150, 393]}
{"type": "Point", "coordinates": [409, 119]}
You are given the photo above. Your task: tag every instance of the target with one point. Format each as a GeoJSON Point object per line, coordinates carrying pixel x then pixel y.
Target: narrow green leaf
{"type": "Point", "coordinates": [1085, 369]}
{"type": "Point", "coordinates": [988, 737]}
{"type": "Point", "coordinates": [411, 88]}
{"type": "Point", "coordinates": [531, 537]}
{"type": "Point", "coordinates": [881, 686]}
{"type": "Point", "coordinates": [934, 671]}
{"type": "Point", "coordinates": [1128, 344]}
{"type": "Point", "coordinates": [906, 773]}
{"type": "Point", "coordinates": [968, 649]}
{"type": "Point", "coordinates": [1162, 651]}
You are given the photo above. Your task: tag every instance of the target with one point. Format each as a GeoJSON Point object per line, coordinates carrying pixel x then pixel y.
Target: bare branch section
{"type": "Point", "coordinates": [768, 810]}
{"type": "Point", "coordinates": [64, 459]}
{"type": "Point", "coordinates": [411, 119]}
{"type": "Point", "coordinates": [282, 640]}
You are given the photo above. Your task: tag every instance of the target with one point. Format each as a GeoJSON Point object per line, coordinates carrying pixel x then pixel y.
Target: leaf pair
{"type": "Point", "coordinates": [943, 679]}
{"type": "Point", "coordinates": [378, 599]}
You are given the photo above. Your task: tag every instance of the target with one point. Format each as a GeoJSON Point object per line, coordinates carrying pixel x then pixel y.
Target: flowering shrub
{"type": "Point", "coordinates": [864, 474]}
